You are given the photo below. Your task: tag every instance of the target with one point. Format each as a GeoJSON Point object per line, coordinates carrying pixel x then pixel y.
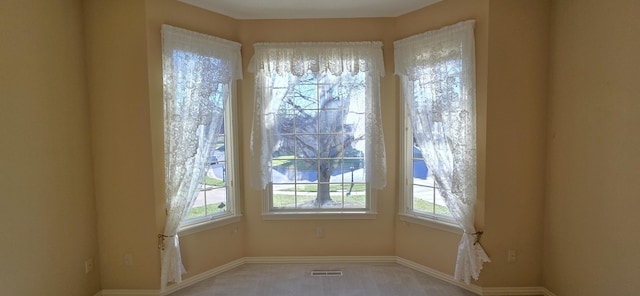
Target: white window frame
{"type": "Point", "coordinates": [233, 213]}
{"type": "Point", "coordinates": [406, 211]}
{"type": "Point", "coordinates": [269, 212]}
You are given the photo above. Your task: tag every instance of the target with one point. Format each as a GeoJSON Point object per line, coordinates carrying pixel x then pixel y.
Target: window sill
{"type": "Point", "coordinates": [319, 216]}
{"type": "Point", "coordinates": [209, 224]}
{"type": "Point", "coordinates": [431, 223]}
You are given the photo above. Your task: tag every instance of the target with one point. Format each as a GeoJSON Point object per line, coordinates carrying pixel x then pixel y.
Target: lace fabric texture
{"type": "Point", "coordinates": [197, 73]}
{"type": "Point", "coordinates": [299, 59]}
{"type": "Point", "coordinates": [437, 71]}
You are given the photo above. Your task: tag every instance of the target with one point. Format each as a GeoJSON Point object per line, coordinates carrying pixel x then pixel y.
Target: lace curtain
{"type": "Point", "coordinates": [299, 59]}
{"type": "Point", "coordinates": [437, 71]}
{"type": "Point", "coordinates": [197, 73]}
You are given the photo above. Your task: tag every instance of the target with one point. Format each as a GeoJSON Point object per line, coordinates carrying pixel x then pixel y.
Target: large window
{"type": "Point", "coordinates": [199, 73]}
{"type": "Point", "coordinates": [437, 76]}
{"type": "Point", "coordinates": [437, 71]}
{"type": "Point", "coordinates": [319, 159]}
{"type": "Point", "coordinates": [317, 137]}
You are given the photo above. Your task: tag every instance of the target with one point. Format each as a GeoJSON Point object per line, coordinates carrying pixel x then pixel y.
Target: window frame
{"type": "Point", "coordinates": [368, 212]}
{"type": "Point", "coordinates": [406, 212]}
{"type": "Point", "coordinates": [233, 214]}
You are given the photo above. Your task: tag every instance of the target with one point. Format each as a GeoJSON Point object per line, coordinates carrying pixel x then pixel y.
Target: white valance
{"type": "Point", "coordinates": [228, 52]}
{"type": "Point", "coordinates": [299, 58]}
{"type": "Point", "coordinates": [432, 47]}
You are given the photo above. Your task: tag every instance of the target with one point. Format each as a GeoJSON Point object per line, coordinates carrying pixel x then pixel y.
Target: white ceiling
{"type": "Point", "coordinates": [295, 9]}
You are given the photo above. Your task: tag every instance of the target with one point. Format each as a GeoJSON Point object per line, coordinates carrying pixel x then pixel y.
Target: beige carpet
{"type": "Point", "coordinates": [358, 279]}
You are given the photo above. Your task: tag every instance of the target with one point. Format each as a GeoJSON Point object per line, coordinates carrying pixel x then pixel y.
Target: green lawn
{"type": "Point", "coordinates": [357, 199]}
{"type": "Point", "coordinates": [289, 200]}
{"type": "Point", "coordinates": [425, 206]}
{"type": "Point", "coordinates": [213, 182]}
{"type": "Point", "coordinates": [201, 211]}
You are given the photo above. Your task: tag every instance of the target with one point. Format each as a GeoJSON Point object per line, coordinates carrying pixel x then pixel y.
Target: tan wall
{"type": "Point", "coordinates": [341, 237]}
{"type": "Point", "coordinates": [115, 34]}
{"type": "Point", "coordinates": [588, 146]}
{"type": "Point", "coordinates": [591, 211]}
{"type": "Point", "coordinates": [430, 247]}
{"type": "Point", "coordinates": [516, 131]}
{"type": "Point", "coordinates": [211, 248]}
{"type": "Point", "coordinates": [47, 216]}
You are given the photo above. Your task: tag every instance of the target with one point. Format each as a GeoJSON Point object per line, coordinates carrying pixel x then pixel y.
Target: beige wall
{"type": "Point", "coordinates": [47, 216]}
{"type": "Point", "coordinates": [515, 140]}
{"type": "Point", "coordinates": [57, 137]}
{"type": "Point", "coordinates": [115, 35]}
{"type": "Point", "coordinates": [591, 211]}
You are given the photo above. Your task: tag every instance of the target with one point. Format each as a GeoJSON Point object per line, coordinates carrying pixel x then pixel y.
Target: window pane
{"type": "Point", "coordinates": [320, 155]}
{"type": "Point", "coordinates": [426, 196]}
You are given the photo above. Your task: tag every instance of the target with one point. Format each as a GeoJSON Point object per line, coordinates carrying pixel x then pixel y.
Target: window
{"type": "Point", "coordinates": [199, 73]}
{"type": "Point", "coordinates": [217, 193]}
{"type": "Point", "coordinates": [319, 159]}
{"type": "Point", "coordinates": [435, 83]}
{"type": "Point", "coordinates": [317, 130]}
{"type": "Point", "coordinates": [422, 197]}
{"type": "Point", "coordinates": [437, 72]}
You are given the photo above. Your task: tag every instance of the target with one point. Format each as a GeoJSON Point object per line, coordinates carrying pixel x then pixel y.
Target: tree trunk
{"type": "Point", "coordinates": [324, 176]}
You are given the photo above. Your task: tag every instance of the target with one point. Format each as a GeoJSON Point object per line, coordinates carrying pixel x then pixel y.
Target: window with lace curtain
{"type": "Point", "coordinates": [216, 200]}
{"type": "Point", "coordinates": [437, 72]}
{"type": "Point", "coordinates": [317, 133]}
{"type": "Point", "coordinates": [199, 73]}
{"type": "Point", "coordinates": [434, 72]}
{"type": "Point", "coordinates": [422, 200]}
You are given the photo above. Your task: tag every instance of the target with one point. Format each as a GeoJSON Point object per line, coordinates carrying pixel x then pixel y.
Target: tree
{"type": "Point", "coordinates": [314, 127]}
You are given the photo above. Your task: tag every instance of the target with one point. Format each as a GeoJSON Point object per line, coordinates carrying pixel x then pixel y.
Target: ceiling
{"type": "Point", "coordinates": [296, 9]}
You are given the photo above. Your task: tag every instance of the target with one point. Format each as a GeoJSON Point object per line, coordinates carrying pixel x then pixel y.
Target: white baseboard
{"type": "Point", "coordinates": [484, 291]}
{"type": "Point", "coordinates": [547, 292]}
{"type": "Point", "coordinates": [439, 275]}
{"type": "Point", "coordinates": [203, 276]}
{"type": "Point", "coordinates": [123, 292]}
{"type": "Point", "coordinates": [513, 291]}
{"type": "Point", "coordinates": [321, 259]}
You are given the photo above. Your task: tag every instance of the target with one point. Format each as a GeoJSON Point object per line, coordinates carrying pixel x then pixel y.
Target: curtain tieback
{"type": "Point", "coordinates": [477, 235]}
{"type": "Point", "coordinates": [161, 238]}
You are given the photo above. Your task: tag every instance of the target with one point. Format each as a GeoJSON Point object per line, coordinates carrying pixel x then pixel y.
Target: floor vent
{"type": "Point", "coordinates": [326, 273]}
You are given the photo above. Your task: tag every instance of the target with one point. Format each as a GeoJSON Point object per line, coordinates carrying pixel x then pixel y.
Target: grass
{"type": "Point", "coordinates": [356, 199]}
{"type": "Point", "coordinates": [213, 182]}
{"type": "Point", "coordinates": [429, 207]}
{"type": "Point", "coordinates": [289, 200]}
{"type": "Point", "coordinates": [204, 210]}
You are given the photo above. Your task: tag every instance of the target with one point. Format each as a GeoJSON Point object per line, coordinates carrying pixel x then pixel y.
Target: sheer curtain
{"type": "Point", "coordinates": [299, 59]}
{"type": "Point", "coordinates": [437, 71]}
{"type": "Point", "coordinates": [198, 71]}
